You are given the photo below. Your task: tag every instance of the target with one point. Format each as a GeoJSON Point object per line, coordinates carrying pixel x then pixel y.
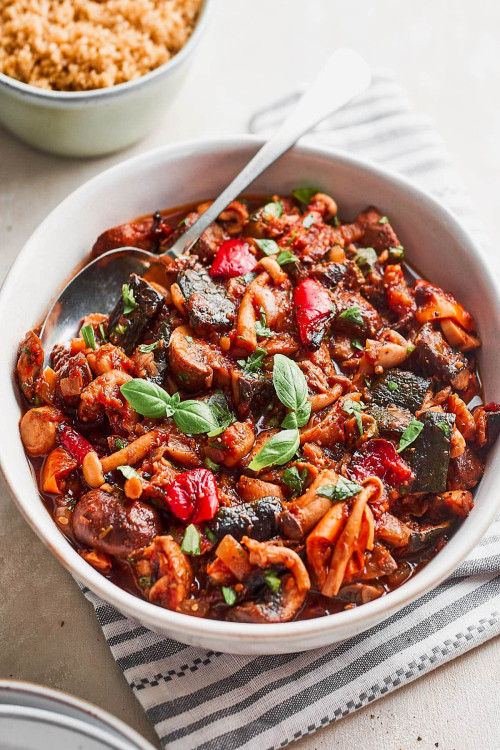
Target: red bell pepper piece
{"type": "Point", "coordinates": [233, 259]}
{"type": "Point", "coordinates": [58, 465]}
{"type": "Point", "coordinates": [193, 496]}
{"type": "Point", "coordinates": [76, 445]}
{"type": "Point", "coordinates": [313, 308]}
{"type": "Point", "coordinates": [379, 458]}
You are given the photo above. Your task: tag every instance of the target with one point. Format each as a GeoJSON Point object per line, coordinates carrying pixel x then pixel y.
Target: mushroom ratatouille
{"type": "Point", "coordinates": [282, 424]}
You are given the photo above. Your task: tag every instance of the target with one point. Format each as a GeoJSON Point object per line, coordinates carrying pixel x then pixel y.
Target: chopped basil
{"type": "Point", "coordinates": [298, 418]}
{"type": "Point", "coordinates": [410, 434]}
{"type": "Point", "coordinates": [354, 408]}
{"type": "Point", "coordinates": [383, 220]}
{"type": "Point", "coordinates": [221, 411]}
{"type": "Point", "coordinates": [392, 386]}
{"type": "Point", "coordinates": [340, 491]}
{"type": "Point", "coordinates": [128, 472]}
{"type": "Point", "coordinates": [366, 257]}
{"type": "Point", "coordinates": [120, 329]}
{"type": "Point", "coordinates": [209, 464]}
{"type": "Point", "coordinates": [336, 221]}
{"type": "Point", "coordinates": [191, 541]}
{"type": "Point", "coordinates": [286, 257]}
{"type": "Point", "coordinates": [145, 582]}
{"type": "Point", "coordinates": [410, 349]}
{"type": "Point", "coordinates": [247, 278]}
{"type": "Point", "coordinates": [445, 427]}
{"type": "Point", "coordinates": [119, 444]}
{"type": "Point", "coordinates": [289, 382]}
{"type": "Point", "coordinates": [292, 237]}
{"type": "Point", "coordinates": [353, 315]}
{"type": "Point", "coordinates": [304, 195]}
{"type": "Point", "coordinates": [397, 253]}
{"type": "Point", "coordinates": [210, 535]}
{"type": "Point", "coordinates": [89, 336]}
{"type": "Point", "coordinates": [229, 595]}
{"type": "Point", "coordinates": [129, 303]}
{"type": "Point", "coordinates": [279, 449]}
{"type": "Point", "coordinates": [261, 328]}
{"type": "Point", "coordinates": [357, 344]}
{"type": "Point", "coordinates": [146, 348]}
{"type": "Point", "coordinates": [273, 209]}
{"type": "Point", "coordinates": [295, 480]}
{"type": "Point", "coordinates": [254, 362]}
{"type": "Point", "coordinates": [272, 580]}
{"type": "Point", "coordinates": [189, 339]}
{"type": "Point", "coordinates": [269, 247]}
{"type": "Point", "coordinates": [308, 221]}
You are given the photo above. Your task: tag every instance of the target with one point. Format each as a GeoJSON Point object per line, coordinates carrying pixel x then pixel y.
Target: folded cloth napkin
{"type": "Point", "coordinates": [207, 700]}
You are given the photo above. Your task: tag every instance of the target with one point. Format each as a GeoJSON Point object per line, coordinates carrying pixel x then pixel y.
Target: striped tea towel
{"type": "Point", "coordinates": [212, 701]}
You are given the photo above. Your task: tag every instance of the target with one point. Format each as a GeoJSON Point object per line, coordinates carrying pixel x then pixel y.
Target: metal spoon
{"type": "Point", "coordinates": [99, 284]}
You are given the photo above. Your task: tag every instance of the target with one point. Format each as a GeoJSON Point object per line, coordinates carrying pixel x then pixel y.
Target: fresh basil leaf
{"type": "Point", "coordinates": [229, 595]}
{"type": "Point", "coordinates": [248, 277]}
{"type": "Point", "coordinates": [146, 348]}
{"type": "Point", "coordinates": [278, 450]}
{"type": "Point", "coordinates": [89, 336]}
{"type": "Point", "coordinates": [119, 444]}
{"type": "Point", "coordinates": [298, 418]}
{"type": "Point", "coordinates": [261, 328]}
{"type": "Point", "coordinates": [365, 258]}
{"type": "Point", "coordinates": [254, 362]}
{"type": "Point", "coordinates": [286, 257]}
{"type": "Point", "coordinates": [274, 209]}
{"type": "Point", "coordinates": [272, 580]}
{"type": "Point", "coordinates": [191, 541]}
{"type": "Point", "coordinates": [340, 491]}
{"type": "Point", "coordinates": [357, 344]}
{"type": "Point", "coordinates": [397, 252]}
{"type": "Point", "coordinates": [304, 195]}
{"type": "Point", "coordinates": [410, 434]}
{"type": "Point", "coordinates": [410, 349]}
{"type": "Point", "coordinates": [352, 315]}
{"type": "Point", "coordinates": [128, 472]}
{"type": "Point", "coordinates": [354, 408]}
{"type": "Point", "coordinates": [292, 237]}
{"type": "Point", "coordinates": [209, 464]}
{"type": "Point", "coordinates": [269, 247]}
{"type": "Point", "coordinates": [290, 422]}
{"type": "Point", "coordinates": [308, 221]}
{"type": "Point", "coordinates": [145, 582]}
{"type": "Point", "coordinates": [295, 480]}
{"type": "Point", "coordinates": [336, 221]}
{"type": "Point", "coordinates": [289, 382]}
{"type": "Point", "coordinates": [149, 399]}
{"type": "Point", "coordinates": [392, 385]}
{"type": "Point", "coordinates": [195, 417]}
{"type": "Point", "coordinates": [383, 220]}
{"type": "Point", "coordinates": [189, 339]}
{"type": "Point", "coordinates": [129, 303]}
{"type": "Point", "coordinates": [223, 415]}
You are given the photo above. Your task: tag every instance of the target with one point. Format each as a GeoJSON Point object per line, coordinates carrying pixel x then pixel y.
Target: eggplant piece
{"type": "Point", "coordinates": [349, 306]}
{"type": "Point", "coordinates": [425, 537]}
{"type": "Point", "coordinates": [257, 519]}
{"type": "Point", "coordinates": [126, 329]}
{"type": "Point", "coordinates": [465, 471]}
{"type": "Point", "coordinates": [400, 388]}
{"type": "Point", "coordinates": [251, 393]}
{"type": "Point", "coordinates": [330, 274]}
{"type": "Point", "coordinates": [360, 593]}
{"type": "Point", "coordinates": [391, 420]}
{"type": "Point", "coordinates": [437, 357]}
{"type": "Point", "coordinates": [207, 303]}
{"type": "Point", "coordinates": [429, 455]}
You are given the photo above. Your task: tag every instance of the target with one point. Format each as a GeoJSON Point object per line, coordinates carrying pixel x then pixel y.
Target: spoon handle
{"type": "Point", "coordinates": [344, 76]}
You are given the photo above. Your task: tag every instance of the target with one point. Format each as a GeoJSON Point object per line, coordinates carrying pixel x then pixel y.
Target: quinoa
{"type": "Point", "coordinates": [77, 45]}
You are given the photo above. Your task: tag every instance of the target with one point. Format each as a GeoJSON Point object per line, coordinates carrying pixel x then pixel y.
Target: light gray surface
{"type": "Point", "coordinates": [448, 55]}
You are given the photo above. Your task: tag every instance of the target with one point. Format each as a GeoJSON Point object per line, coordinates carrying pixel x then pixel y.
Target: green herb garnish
{"type": "Point", "coordinates": [397, 253]}
{"type": "Point", "coordinates": [445, 427]}
{"type": "Point", "coordinates": [286, 257]}
{"type": "Point", "coordinates": [145, 582]}
{"type": "Point", "coordinates": [366, 257]}
{"type": "Point", "coordinates": [229, 595]}
{"type": "Point", "coordinates": [340, 491]}
{"type": "Point", "coordinates": [383, 220]}
{"type": "Point", "coordinates": [304, 195]}
{"type": "Point", "coordinates": [209, 464]}
{"type": "Point", "coordinates": [410, 434]}
{"type": "Point", "coordinates": [279, 449]}
{"type": "Point", "coordinates": [354, 408]}
{"type": "Point", "coordinates": [221, 411]}
{"type": "Point", "coordinates": [254, 362]}
{"type": "Point", "coordinates": [353, 315]}
{"type": "Point", "coordinates": [269, 247]}
{"type": "Point", "coordinates": [128, 472]}
{"type": "Point", "coordinates": [146, 348]}
{"type": "Point", "coordinates": [210, 535]}
{"type": "Point", "coordinates": [129, 303]}
{"type": "Point", "coordinates": [89, 336]}
{"type": "Point", "coordinates": [102, 332]}
{"type": "Point", "coordinates": [191, 541]}
{"type": "Point", "coordinates": [357, 344]}
{"type": "Point", "coordinates": [392, 386]}
{"type": "Point", "coordinates": [272, 580]}
{"type": "Point", "coordinates": [295, 479]}
{"type": "Point", "coordinates": [119, 444]}
{"type": "Point", "coordinates": [261, 328]}
{"type": "Point", "coordinates": [273, 209]}
{"type": "Point", "coordinates": [308, 221]}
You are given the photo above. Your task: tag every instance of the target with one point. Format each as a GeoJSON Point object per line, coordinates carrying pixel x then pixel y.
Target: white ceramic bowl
{"type": "Point", "coordinates": [435, 243]}
{"type": "Point", "coordinates": [100, 121]}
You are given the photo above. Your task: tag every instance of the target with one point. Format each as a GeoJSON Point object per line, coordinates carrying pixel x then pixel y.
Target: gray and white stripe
{"type": "Point", "coordinates": [208, 700]}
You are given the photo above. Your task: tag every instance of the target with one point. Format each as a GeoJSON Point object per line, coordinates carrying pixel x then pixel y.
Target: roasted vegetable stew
{"type": "Point", "coordinates": [282, 424]}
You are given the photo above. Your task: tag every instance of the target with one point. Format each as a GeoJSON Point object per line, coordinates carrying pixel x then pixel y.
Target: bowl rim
{"type": "Point", "coordinates": [195, 628]}
{"type": "Point", "coordinates": [50, 97]}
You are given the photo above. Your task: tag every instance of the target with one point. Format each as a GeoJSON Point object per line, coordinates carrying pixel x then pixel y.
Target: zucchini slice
{"type": "Point", "coordinates": [429, 455]}
{"type": "Point", "coordinates": [258, 519]}
{"type": "Point", "coordinates": [400, 388]}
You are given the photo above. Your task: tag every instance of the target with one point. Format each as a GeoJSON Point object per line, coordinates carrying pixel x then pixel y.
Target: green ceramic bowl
{"type": "Point", "coordinates": [97, 122]}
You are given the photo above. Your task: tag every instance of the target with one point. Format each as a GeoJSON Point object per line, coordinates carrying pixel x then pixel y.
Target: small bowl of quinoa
{"type": "Point", "coordinates": [89, 77]}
